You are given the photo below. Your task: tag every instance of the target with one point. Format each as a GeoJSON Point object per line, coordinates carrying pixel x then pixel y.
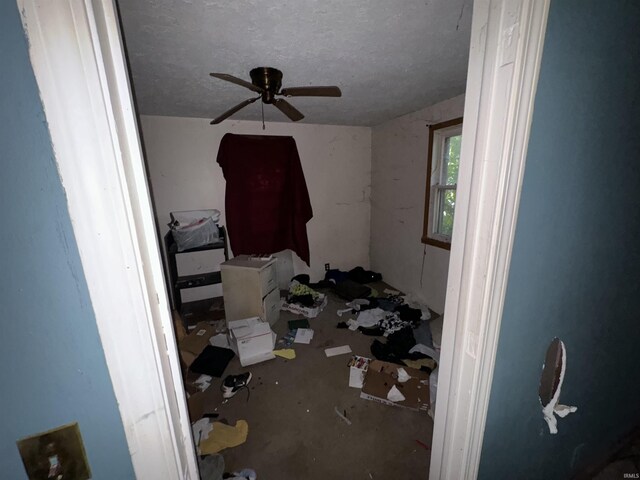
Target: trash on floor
{"type": "Point", "coordinates": [220, 340]}
{"type": "Point", "coordinates": [403, 376]}
{"type": "Point", "coordinates": [395, 395]}
{"type": "Point", "coordinates": [224, 436]}
{"type": "Point", "coordinates": [304, 335]}
{"type": "Point", "coordinates": [203, 382]}
{"type": "Point", "coordinates": [252, 339]}
{"type": "Point", "coordinates": [357, 369]}
{"type": "Point", "coordinates": [332, 352]}
{"type": "Point", "coordinates": [288, 353]}
{"type": "Point", "coordinates": [381, 385]}
{"type": "Point", "coordinates": [287, 340]}
{"type": "Point", "coordinates": [342, 415]}
{"type": "Point", "coordinates": [193, 344]}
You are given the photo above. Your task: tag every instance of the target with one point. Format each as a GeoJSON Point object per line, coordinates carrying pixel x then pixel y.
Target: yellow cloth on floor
{"type": "Point", "coordinates": [288, 353]}
{"type": "Point", "coordinates": [224, 436]}
{"type": "Point", "coordinates": [423, 362]}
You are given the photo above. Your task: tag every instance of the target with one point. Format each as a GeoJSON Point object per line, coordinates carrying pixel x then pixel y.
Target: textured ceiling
{"type": "Point", "coordinates": [388, 57]}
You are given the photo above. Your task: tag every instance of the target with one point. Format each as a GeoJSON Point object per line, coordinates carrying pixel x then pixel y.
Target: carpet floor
{"type": "Point", "coordinates": [294, 431]}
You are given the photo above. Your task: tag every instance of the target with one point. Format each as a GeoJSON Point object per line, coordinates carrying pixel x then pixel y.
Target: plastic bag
{"type": "Point", "coordinates": [194, 228]}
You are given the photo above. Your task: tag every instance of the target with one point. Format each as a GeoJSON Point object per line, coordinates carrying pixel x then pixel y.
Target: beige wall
{"type": "Point", "coordinates": [399, 165]}
{"type": "Point", "coordinates": [181, 155]}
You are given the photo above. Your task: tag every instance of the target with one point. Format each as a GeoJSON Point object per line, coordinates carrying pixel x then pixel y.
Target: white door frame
{"type": "Point", "coordinates": [77, 55]}
{"type": "Point", "coordinates": [506, 47]}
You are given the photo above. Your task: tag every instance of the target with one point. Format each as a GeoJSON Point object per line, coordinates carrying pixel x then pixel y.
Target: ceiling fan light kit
{"type": "Point", "coordinates": [267, 81]}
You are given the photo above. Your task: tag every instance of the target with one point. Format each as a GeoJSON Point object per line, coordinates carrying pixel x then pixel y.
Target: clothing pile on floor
{"type": "Point", "coordinates": [400, 324]}
{"type": "Point", "coordinates": [403, 323]}
{"type": "Point", "coordinates": [303, 299]}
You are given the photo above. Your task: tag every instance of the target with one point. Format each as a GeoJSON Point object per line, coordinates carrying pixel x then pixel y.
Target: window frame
{"type": "Point", "coordinates": [437, 132]}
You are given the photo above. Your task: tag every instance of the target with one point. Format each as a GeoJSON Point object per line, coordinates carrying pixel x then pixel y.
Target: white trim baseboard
{"type": "Point", "coordinates": [506, 48]}
{"type": "Point", "coordinates": [78, 61]}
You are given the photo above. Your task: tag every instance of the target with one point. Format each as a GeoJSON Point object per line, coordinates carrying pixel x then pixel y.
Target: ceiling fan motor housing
{"type": "Point", "coordinates": [269, 79]}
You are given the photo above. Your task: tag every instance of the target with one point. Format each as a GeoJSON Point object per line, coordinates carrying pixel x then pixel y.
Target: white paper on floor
{"type": "Point", "coordinates": [395, 395]}
{"type": "Point", "coordinates": [353, 325]}
{"type": "Point", "coordinates": [219, 340]}
{"type": "Point", "coordinates": [403, 376]}
{"type": "Point", "coordinates": [203, 382]}
{"type": "Point", "coordinates": [303, 335]}
{"type": "Point", "coordinates": [332, 352]}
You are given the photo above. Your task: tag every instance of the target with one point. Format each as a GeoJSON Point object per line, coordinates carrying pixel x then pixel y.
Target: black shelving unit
{"type": "Point", "coordinates": [177, 283]}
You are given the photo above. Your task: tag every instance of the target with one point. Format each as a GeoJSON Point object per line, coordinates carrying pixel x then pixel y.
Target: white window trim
{"type": "Point", "coordinates": [437, 180]}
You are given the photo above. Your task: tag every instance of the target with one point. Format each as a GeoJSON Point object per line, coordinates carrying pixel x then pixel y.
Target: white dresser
{"type": "Point", "coordinates": [250, 289]}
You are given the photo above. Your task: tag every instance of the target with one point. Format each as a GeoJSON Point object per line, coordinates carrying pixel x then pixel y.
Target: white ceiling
{"type": "Point", "coordinates": [389, 57]}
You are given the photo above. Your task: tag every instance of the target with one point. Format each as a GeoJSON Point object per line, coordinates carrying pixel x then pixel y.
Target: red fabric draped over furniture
{"type": "Point", "coordinates": [267, 202]}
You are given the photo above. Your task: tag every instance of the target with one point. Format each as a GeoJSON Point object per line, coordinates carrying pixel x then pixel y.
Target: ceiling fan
{"type": "Point", "coordinates": [267, 82]}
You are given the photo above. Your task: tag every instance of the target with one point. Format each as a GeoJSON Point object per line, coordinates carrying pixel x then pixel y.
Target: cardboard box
{"type": "Point", "coordinates": [252, 339]}
{"type": "Point", "coordinates": [200, 403]}
{"type": "Point", "coordinates": [309, 312]}
{"type": "Point", "coordinates": [193, 344]}
{"type": "Point", "coordinates": [382, 376]}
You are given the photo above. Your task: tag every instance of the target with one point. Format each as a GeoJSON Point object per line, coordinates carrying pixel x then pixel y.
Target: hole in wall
{"type": "Point", "coordinates": [553, 373]}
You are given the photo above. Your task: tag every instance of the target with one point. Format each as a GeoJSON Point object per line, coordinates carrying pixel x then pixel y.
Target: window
{"type": "Point", "coordinates": [442, 180]}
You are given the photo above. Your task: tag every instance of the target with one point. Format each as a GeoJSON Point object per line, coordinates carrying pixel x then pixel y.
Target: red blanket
{"type": "Point", "coordinates": [267, 202]}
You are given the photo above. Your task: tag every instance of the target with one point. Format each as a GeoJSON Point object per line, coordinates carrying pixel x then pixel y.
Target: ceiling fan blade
{"type": "Point", "coordinates": [289, 110]}
{"type": "Point", "coordinates": [228, 113]}
{"type": "Point", "coordinates": [237, 81]}
{"type": "Point", "coordinates": [311, 92]}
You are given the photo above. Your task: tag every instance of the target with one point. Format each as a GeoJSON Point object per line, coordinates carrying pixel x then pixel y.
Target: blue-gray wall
{"type": "Point", "coordinates": [52, 366]}
{"type": "Point", "coordinates": [575, 269]}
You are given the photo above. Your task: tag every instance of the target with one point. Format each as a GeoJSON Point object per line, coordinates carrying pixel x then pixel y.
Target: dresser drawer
{"type": "Point", "coordinates": [268, 279]}
{"type": "Point", "coordinates": [271, 306]}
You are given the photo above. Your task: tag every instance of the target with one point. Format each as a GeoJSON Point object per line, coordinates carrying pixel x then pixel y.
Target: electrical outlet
{"type": "Point", "coordinates": [327, 267]}
{"type": "Point", "coordinates": [58, 453]}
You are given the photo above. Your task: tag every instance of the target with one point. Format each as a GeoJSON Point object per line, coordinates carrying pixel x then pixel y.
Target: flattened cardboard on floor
{"type": "Point", "coordinates": [382, 376]}
{"type": "Point", "coordinates": [203, 402]}
{"type": "Point", "coordinates": [193, 344]}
